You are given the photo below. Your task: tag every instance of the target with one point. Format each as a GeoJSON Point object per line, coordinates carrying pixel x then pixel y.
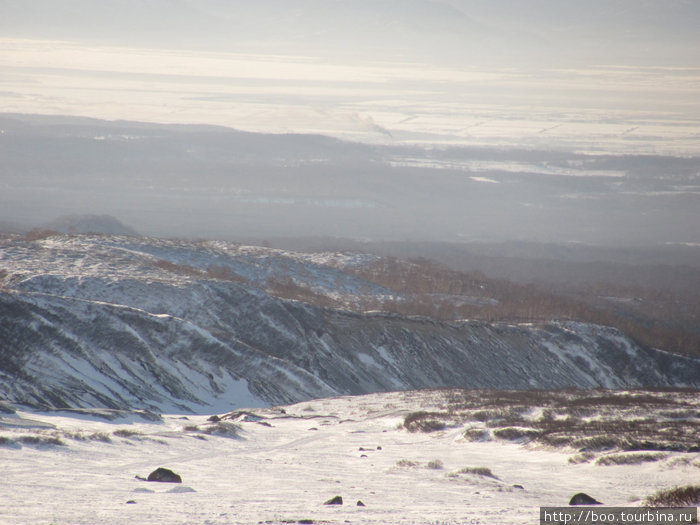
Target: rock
{"type": "Point", "coordinates": [338, 500]}
{"type": "Point", "coordinates": [131, 502]}
{"type": "Point", "coordinates": [360, 504]}
{"type": "Point", "coordinates": [518, 487]}
{"type": "Point", "coordinates": [164, 475]}
{"type": "Point", "coordinates": [583, 499]}
{"type": "Point", "coordinates": [214, 418]}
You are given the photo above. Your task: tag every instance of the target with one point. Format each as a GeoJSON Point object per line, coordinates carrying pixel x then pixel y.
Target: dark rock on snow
{"type": "Point", "coordinates": [164, 475]}
{"type": "Point", "coordinates": [338, 500]}
{"type": "Point", "coordinates": [583, 499]}
{"type": "Point", "coordinates": [360, 504]}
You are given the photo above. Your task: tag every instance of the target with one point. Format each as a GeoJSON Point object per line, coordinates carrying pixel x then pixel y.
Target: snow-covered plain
{"type": "Point", "coordinates": [287, 461]}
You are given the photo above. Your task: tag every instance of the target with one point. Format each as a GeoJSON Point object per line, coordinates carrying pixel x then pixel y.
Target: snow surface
{"type": "Point", "coordinates": [290, 460]}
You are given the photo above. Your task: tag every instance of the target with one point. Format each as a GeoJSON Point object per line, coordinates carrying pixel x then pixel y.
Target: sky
{"type": "Point", "coordinates": [616, 76]}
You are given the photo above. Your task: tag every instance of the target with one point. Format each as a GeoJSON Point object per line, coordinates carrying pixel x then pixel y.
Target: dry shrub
{"type": "Point", "coordinates": [422, 421]}
{"type": "Point", "coordinates": [478, 471]}
{"type": "Point", "coordinates": [596, 443]}
{"type": "Point", "coordinates": [126, 433]}
{"type": "Point", "coordinates": [628, 459]}
{"type": "Point", "coordinates": [477, 434]}
{"type": "Point", "coordinates": [435, 464]}
{"type": "Point", "coordinates": [40, 440]}
{"type": "Point", "coordinates": [516, 433]}
{"type": "Point", "coordinates": [223, 428]}
{"type": "Point", "coordinates": [584, 457]}
{"type": "Point", "coordinates": [685, 496]}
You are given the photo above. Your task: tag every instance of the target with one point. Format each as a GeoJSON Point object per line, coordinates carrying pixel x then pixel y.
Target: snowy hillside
{"type": "Point", "coordinates": [184, 326]}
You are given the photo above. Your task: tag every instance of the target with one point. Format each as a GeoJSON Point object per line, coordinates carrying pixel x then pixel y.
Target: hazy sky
{"type": "Point", "coordinates": [616, 76]}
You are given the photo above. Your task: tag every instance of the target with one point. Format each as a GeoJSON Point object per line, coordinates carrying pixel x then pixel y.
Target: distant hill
{"type": "Point", "coordinates": [90, 224]}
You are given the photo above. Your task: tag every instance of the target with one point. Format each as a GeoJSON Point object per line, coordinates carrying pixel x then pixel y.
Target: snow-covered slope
{"type": "Point", "coordinates": [180, 326]}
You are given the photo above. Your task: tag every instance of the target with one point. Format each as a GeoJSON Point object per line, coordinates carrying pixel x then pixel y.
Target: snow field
{"type": "Point", "coordinates": [282, 468]}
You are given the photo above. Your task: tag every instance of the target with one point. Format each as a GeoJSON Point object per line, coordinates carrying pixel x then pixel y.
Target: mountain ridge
{"type": "Point", "coordinates": [95, 321]}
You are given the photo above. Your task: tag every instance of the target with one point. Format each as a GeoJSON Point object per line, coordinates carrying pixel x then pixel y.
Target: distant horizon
{"type": "Point", "coordinates": [598, 76]}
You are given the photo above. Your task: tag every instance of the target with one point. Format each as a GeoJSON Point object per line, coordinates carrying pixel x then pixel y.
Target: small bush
{"type": "Point", "coordinates": [40, 440]}
{"type": "Point", "coordinates": [628, 459]}
{"type": "Point", "coordinates": [476, 434]}
{"type": "Point", "coordinates": [425, 421]}
{"type": "Point", "coordinates": [595, 443]}
{"type": "Point", "coordinates": [584, 457]}
{"type": "Point", "coordinates": [435, 464]}
{"type": "Point", "coordinates": [223, 428]}
{"type": "Point", "coordinates": [686, 496]}
{"type": "Point", "coordinates": [515, 433]}
{"type": "Point", "coordinates": [556, 440]}
{"type": "Point", "coordinates": [126, 433]}
{"type": "Point", "coordinates": [478, 471]}
{"type": "Point", "coordinates": [100, 436]}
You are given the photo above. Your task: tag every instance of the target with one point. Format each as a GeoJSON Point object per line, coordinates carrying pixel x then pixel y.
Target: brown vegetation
{"type": "Point", "coordinates": [685, 496]}
{"type": "Point", "coordinates": [430, 289]}
{"type": "Point", "coordinates": [588, 421]}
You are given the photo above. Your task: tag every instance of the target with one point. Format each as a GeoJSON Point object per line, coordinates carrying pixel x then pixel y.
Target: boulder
{"type": "Point", "coordinates": [583, 499]}
{"type": "Point", "coordinates": [338, 500]}
{"type": "Point", "coordinates": [164, 475]}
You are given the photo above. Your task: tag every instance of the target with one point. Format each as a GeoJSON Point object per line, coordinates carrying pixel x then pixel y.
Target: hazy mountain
{"type": "Point", "coordinates": [89, 224]}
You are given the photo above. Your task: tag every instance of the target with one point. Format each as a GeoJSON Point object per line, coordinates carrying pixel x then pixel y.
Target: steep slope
{"type": "Point", "coordinates": [188, 326]}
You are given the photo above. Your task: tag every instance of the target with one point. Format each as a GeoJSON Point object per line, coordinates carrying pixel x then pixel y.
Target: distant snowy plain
{"type": "Point", "coordinates": [578, 109]}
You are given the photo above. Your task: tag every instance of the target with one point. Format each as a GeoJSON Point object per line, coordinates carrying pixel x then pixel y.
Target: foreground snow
{"type": "Point", "coordinates": [284, 464]}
